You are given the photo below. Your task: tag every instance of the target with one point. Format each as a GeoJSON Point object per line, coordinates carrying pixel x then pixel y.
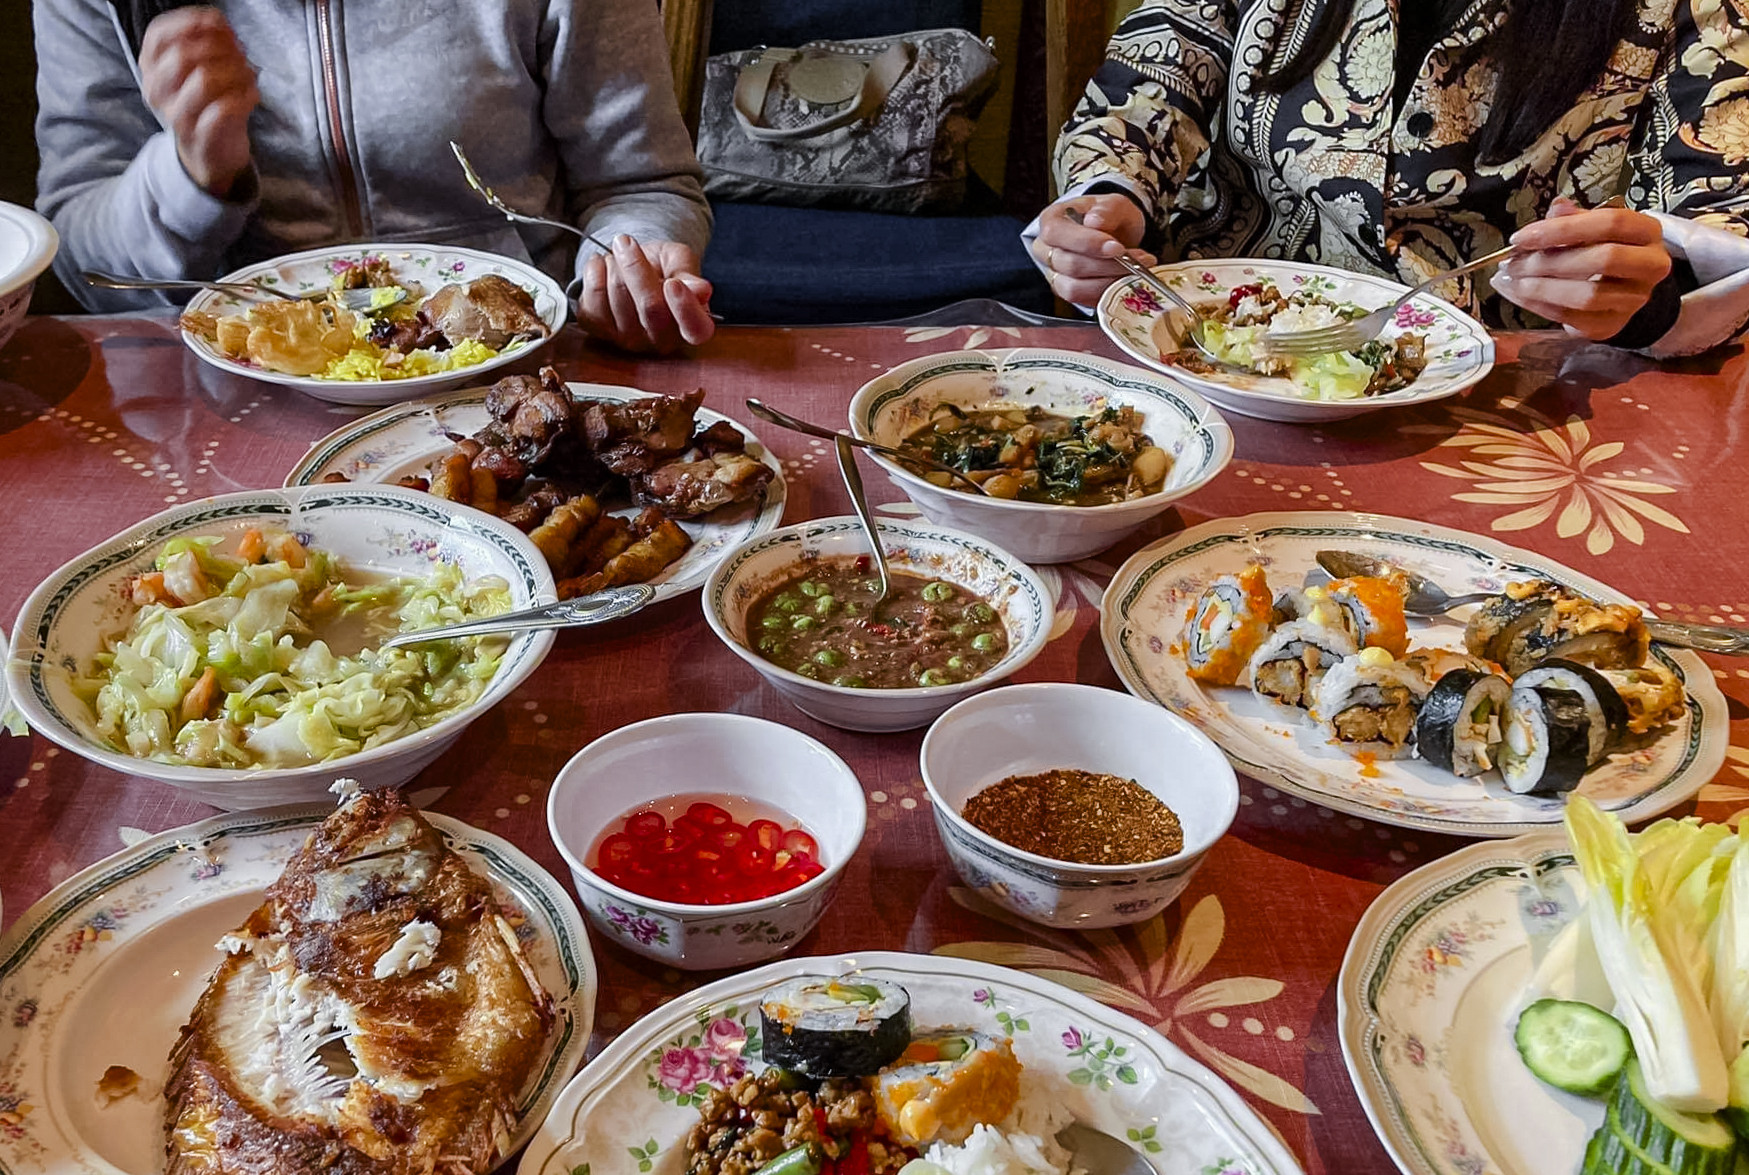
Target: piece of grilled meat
{"type": "Point", "coordinates": [687, 489]}
{"type": "Point", "coordinates": [492, 309]}
{"type": "Point", "coordinates": [638, 435]}
{"type": "Point", "coordinates": [374, 1016]}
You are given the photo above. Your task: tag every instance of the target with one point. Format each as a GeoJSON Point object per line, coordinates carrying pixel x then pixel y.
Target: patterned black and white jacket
{"type": "Point", "coordinates": [1334, 172]}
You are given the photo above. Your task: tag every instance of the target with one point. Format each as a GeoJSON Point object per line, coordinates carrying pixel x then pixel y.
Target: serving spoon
{"type": "Point", "coordinates": [360, 301]}
{"type": "Point", "coordinates": [858, 499]}
{"type": "Point", "coordinates": [596, 608]}
{"type": "Point", "coordinates": [1099, 1153]}
{"type": "Point", "coordinates": [1426, 598]}
{"type": "Point", "coordinates": [771, 415]}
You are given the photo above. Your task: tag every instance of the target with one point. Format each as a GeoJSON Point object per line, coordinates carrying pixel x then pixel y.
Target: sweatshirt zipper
{"type": "Point", "coordinates": [349, 203]}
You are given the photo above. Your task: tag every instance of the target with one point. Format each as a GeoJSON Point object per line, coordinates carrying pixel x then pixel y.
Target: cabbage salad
{"type": "Point", "coordinates": [1237, 332]}
{"type": "Point", "coordinates": [264, 659]}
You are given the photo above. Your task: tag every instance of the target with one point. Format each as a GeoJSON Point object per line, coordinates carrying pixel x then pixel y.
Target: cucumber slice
{"type": "Point", "coordinates": [1572, 1046]}
{"type": "Point", "coordinates": [1620, 1156]}
{"type": "Point", "coordinates": [1667, 1134]}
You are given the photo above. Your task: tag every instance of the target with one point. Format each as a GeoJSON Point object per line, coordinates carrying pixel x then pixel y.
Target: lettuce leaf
{"type": "Point", "coordinates": [1647, 950]}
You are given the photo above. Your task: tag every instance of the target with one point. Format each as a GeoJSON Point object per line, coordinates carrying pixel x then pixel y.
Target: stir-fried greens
{"type": "Point", "coordinates": [245, 660]}
{"type": "Point", "coordinates": [1237, 333]}
{"type": "Point", "coordinates": [1025, 452]}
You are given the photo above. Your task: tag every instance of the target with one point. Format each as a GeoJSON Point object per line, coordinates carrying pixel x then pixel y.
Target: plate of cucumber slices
{"type": "Point", "coordinates": [1571, 1002]}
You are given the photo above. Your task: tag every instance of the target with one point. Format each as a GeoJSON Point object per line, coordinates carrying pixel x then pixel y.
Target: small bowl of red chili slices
{"type": "Point", "coordinates": [705, 841]}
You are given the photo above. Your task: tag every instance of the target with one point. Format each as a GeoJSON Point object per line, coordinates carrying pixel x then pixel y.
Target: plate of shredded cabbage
{"type": "Point", "coordinates": [230, 646]}
{"type": "Point", "coordinates": [435, 317]}
{"type": "Point", "coordinates": [1431, 349]}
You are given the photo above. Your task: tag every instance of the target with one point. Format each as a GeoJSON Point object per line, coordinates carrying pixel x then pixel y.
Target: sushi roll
{"type": "Point", "coordinates": [1605, 712]}
{"type": "Point", "coordinates": [947, 1082]}
{"type": "Point", "coordinates": [1371, 609]}
{"type": "Point", "coordinates": [1537, 620]}
{"type": "Point", "coordinates": [1652, 694]}
{"type": "Point", "coordinates": [843, 1027]}
{"type": "Point", "coordinates": [1436, 663]}
{"type": "Point", "coordinates": [1369, 701]}
{"type": "Point", "coordinates": [1291, 663]}
{"type": "Point", "coordinates": [1225, 626]}
{"type": "Point", "coordinates": [1547, 743]}
{"type": "Point", "coordinates": [1459, 727]}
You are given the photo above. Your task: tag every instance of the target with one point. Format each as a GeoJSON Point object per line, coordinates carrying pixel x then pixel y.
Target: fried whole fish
{"type": "Point", "coordinates": [374, 1016]}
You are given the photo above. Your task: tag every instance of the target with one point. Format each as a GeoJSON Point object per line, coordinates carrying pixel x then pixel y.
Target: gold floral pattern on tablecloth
{"type": "Point", "coordinates": [1546, 470]}
{"type": "Point", "coordinates": [1158, 987]}
{"type": "Point", "coordinates": [976, 336]}
{"type": "Point", "coordinates": [1720, 791]}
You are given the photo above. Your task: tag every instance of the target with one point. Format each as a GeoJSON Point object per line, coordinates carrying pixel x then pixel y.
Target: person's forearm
{"type": "Point", "coordinates": [148, 221]}
{"type": "Point", "coordinates": [1716, 309]}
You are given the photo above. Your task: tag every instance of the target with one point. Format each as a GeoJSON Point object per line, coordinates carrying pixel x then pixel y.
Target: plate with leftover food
{"type": "Point", "coordinates": [1072, 451]}
{"type": "Point", "coordinates": [1566, 1003]}
{"type": "Point", "coordinates": [613, 485]}
{"type": "Point", "coordinates": [1478, 723]}
{"type": "Point", "coordinates": [228, 993]}
{"type": "Point", "coordinates": [1430, 350]}
{"type": "Point", "coordinates": [230, 646]}
{"type": "Point", "coordinates": [882, 1062]}
{"type": "Point", "coordinates": [378, 323]}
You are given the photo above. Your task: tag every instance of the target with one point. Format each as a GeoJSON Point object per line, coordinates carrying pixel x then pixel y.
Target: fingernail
{"type": "Point", "coordinates": [1596, 277]}
{"type": "Point", "coordinates": [622, 243]}
{"type": "Point", "coordinates": [1113, 249]}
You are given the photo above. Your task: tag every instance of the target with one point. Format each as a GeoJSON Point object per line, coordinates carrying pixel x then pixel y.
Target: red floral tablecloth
{"type": "Point", "coordinates": [1626, 470]}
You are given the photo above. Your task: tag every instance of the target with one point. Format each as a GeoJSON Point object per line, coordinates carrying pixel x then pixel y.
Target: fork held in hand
{"type": "Point", "coordinates": [1346, 336]}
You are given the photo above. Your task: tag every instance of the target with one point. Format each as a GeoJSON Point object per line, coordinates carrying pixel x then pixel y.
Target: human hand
{"type": "Point", "coordinates": [194, 74]}
{"type": "Point", "coordinates": [645, 298]}
{"type": "Point", "coordinates": [1590, 270]}
{"type": "Point", "coordinates": [1078, 238]}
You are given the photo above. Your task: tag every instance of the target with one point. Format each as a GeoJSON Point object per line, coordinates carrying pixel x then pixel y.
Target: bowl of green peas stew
{"type": "Point", "coordinates": [802, 605]}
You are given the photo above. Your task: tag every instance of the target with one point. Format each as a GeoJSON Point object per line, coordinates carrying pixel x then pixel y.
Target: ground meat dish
{"type": "Point", "coordinates": [742, 1128]}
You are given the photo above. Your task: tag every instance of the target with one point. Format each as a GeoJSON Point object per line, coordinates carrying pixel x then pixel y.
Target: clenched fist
{"type": "Point", "coordinates": [195, 76]}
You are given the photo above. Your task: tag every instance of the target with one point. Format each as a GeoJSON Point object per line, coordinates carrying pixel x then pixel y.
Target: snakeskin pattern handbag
{"type": "Point", "coordinates": [879, 124]}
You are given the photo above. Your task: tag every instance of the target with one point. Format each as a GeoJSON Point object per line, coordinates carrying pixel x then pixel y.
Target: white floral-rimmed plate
{"type": "Point", "coordinates": [629, 1111]}
{"type": "Point", "coordinates": [1142, 621]}
{"type": "Point", "coordinates": [1430, 991]}
{"type": "Point", "coordinates": [403, 441]}
{"type": "Point", "coordinates": [1459, 350]}
{"type": "Point", "coordinates": [105, 969]}
{"type": "Point", "coordinates": [430, 266]}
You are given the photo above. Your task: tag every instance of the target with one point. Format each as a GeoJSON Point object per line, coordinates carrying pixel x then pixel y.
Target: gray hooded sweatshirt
{"type": "Point", "coordinates": [566, 108]}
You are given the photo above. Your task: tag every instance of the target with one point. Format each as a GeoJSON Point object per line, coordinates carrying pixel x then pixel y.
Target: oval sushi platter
{"type": "Point", "coordinates": [1142, 623]}
{"type": "Point", "coordinates": [630, 1110]}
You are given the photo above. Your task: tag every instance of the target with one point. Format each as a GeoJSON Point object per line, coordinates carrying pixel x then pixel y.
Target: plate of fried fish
{"type": "Point", "coordinates": [883, 1062]}
{"type": "Point", "coordinates": [614, 485]}
{"type": "Point", "coordinates": [1475, 723]}
{"type": "Point", "coordinates": [358, 988]}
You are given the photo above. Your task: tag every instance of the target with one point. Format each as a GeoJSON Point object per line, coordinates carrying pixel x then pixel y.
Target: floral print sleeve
{"type": "Point", "coordinates": [1692, 157]}
{"type": "Point", "coordinates": [1145, 117]}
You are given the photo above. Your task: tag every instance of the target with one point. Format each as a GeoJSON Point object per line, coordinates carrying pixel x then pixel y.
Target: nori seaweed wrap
{"type": "Point", "coordinates": [1548, 741]}
{"type": "Point", "coordinates": [1459, 726]}
{"type": "Point", "coordinates": [849, 1026]}
{"type": "Point", "coordinates": [1604, 707]}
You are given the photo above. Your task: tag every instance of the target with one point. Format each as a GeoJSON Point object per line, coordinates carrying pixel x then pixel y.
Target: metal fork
{"type": "Point", "coordinates": [489, 196]}
{"type": "Point", "coordinates": [1346, 336]}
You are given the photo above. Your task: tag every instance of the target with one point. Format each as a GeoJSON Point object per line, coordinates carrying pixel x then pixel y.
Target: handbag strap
{"type": "Point", "coordinates": [884, 72]}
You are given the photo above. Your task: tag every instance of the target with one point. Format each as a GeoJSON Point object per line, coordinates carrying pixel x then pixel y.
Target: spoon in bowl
{"type": "Point", "coordinates": [771, 415]}
{"type": "Point", "coordinates": [858, 499]}
{"type": "Point", "coordinates": [597, 608]}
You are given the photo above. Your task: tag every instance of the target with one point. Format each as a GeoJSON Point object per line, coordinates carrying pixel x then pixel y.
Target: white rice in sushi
{"type": "Point", "coordinates": [1024, 1143]}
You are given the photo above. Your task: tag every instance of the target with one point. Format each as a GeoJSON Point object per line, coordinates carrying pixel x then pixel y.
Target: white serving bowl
{"type": "Point", "coordinates": [1177, 419]}
{"type": "Point", "coordinates": [381, 529]}
{"type": "Point", "coordinates": [432, 266]}
{"type": "Point", "coordinates": [1026, 729]}
{"type": "Point", "coordinates": [729, 755]}
{"type": "Point", "coordinates": [1006, 584]}
{"type": "Point", "coordinates": [27, 246]}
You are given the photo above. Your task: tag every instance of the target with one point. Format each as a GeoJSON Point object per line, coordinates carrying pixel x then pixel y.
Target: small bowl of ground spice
{"type": "Point", "coordinates": [1075, 806]}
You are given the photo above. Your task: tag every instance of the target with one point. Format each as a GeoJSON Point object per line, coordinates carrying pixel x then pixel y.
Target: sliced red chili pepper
{"type": "Point", "coordinates": [1240, 293]}
{"type": "Point", "coordinates": [767, 834]}
{"type": "Point", "coordinates": [728, 836]}
{"type": "Point", "coordinates": [708, 814]}
{"type": "Point", "coordinates": [645, 825]}
{"type": "Point", "coordinates": [798, 841]}
{"type": "Point", "coordinates": [753, 861]}
{"type": "Point", "coordinates": [617, 851]}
